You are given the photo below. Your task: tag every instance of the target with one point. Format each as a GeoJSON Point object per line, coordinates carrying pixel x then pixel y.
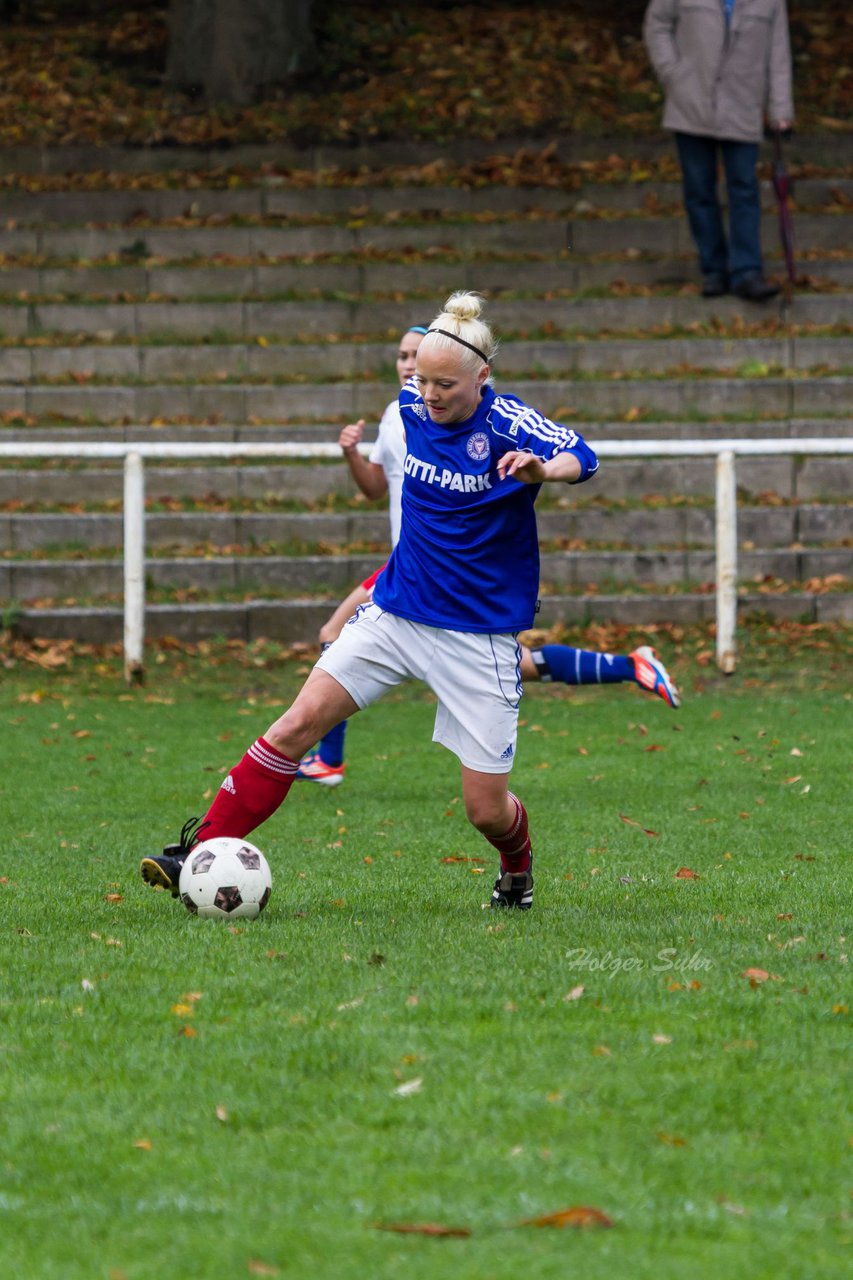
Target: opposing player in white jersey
{"type": "Point", "coordinates": [382, 473]}
{"type": "Point", "coordinates": [460, 585]}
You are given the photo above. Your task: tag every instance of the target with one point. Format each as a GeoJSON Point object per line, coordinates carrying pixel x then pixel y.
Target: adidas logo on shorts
{"type": "Point", "coordinates": [507, 755]}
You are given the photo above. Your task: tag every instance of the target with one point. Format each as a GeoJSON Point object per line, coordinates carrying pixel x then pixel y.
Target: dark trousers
{"type": "Point", "coordinates": [741, 255]}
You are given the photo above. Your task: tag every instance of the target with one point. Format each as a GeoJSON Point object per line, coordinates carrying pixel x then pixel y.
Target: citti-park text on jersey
{"type": "Point", "coordinates": [445, 479]}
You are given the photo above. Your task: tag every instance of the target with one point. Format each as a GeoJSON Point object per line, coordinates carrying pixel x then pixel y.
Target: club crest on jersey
{"type": "Point", "coordinates": [477, 447]}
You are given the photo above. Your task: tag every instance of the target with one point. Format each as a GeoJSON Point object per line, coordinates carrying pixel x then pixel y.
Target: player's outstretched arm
{"type": "Point", "coordinates": [530, 469]}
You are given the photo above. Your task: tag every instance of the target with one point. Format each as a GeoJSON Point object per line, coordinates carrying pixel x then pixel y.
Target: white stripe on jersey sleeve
{"type": "Point", "coordinates": [515, 417]}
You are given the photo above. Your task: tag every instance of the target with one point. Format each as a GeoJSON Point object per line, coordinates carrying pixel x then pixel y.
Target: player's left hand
{"type": "Point", "coordinates": [526, 467]}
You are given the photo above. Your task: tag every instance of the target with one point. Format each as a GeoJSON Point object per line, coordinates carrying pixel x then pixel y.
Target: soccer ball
{"type": "Point", "coordinates": [225, 879]}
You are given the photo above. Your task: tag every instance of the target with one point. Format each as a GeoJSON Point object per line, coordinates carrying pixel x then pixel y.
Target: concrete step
{"type": "Point", "coordinates": [220, 320]}
{"type": "Point", "coordinates": [298, 621]}
{"type": "Point", "coordinates": [807, 478]}
{"type": "Point", "coordinates": [763, 526]}
{"type": "Point", "coordinates": [505, 275]}
{"type": "Point", "coordinates": [31, 580]}
{"type": "Point", "coordinates": [305, 483]}
{"type": "Point", "coordinates": [833, 149]}
{"type": "Point", "coordinates": [268, 196]}
{"type": "Point", "coordinates": [24, 533]}
{"type": "Point", "coordinates": [559, 398]}
{"type": "Point", "coordinates": [499, 274]}
{"type": "Point", "coordinates": [549, 234]}
{"type": "Point", "coordinates": [331, 575]}
{"type": "Point", "coordinates": [152, 363]}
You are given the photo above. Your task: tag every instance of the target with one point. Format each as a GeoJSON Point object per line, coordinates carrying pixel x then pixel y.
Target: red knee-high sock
{"type": "Point", "coordinates": [514, 847]}
{"type": "Point", "coordinates": [250, 793]}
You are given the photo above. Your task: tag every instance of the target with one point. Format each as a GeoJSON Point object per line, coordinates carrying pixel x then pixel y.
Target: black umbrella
{"type": "Point", "coordinates": [783, 186]}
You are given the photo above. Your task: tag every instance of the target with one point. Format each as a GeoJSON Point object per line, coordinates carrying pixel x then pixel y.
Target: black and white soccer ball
{"type": "Point", "coordinates": [225, 879]}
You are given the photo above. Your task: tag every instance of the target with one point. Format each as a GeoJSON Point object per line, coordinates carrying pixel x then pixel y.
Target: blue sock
{"type": "Point", "coordinates": [331, 748]}
{"type": "Point", "coordinates": [581, 666]}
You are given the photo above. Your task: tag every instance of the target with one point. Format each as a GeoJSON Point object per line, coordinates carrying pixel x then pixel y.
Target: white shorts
{"type": "Point", "coordinates": [475, 677]}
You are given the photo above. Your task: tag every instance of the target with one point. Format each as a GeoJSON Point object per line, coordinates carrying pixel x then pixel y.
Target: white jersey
{"type": "Point", "coordinates": [389, 453]}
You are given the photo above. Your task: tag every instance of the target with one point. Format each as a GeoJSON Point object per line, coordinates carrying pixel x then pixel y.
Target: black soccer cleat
{"type": "Point", "coordinates": [164, 872]}
{"type": "Point", "coordinates": [514, 889]}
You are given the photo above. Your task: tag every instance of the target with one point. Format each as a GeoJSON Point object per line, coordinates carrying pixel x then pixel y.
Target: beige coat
{"type": "Point", "coordinates": [720, 84]}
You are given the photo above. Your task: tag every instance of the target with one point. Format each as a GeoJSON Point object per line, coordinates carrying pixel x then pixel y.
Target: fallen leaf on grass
{"type": "Point", "coordinates": [579, 1215]}
{"type": "Point", "coordinates": [460, 857]}
{"type": "Point", "coordinates": [257, 1268]}
{"type": "Point", "coordinates": [684, 873]}
{"type": "Point", "coordinates": [574, 994]}
{"type": "Point", "coordinates": [423, 1229]}
{"type": "Point", "coordinates": [143, 1144]}
{"type": "Point", "coordinates": [670, 1139]}
{"type": "Point", "coordinates": [631, 823]}
{"type": "Point", "coordinates": [757, 976]}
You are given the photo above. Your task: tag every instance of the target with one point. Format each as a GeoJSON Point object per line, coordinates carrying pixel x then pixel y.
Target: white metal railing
{"type": "Point", "coordinates": [135, 453]}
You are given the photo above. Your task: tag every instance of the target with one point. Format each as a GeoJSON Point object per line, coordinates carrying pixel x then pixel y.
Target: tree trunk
{"type": "Point", "coordinates": [232, 48]}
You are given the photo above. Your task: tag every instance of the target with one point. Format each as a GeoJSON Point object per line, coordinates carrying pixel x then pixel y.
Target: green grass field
{"type": "Point", "coordinates": [182, 1098]}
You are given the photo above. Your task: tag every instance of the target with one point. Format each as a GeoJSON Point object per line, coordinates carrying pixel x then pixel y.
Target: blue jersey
{"type": "Point", "coordinates": [468, 554]}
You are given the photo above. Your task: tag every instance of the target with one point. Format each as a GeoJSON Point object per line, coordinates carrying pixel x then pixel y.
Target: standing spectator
{"type": "Point", "coordinates": [724, 64]}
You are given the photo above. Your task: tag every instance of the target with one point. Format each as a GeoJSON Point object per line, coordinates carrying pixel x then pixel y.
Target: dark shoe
{"type": "Point", "coordinates": [714, 285]}
{"type": "Point", "coordinates": [164, 872]}
{"type": "Point", "coordinates": [755, 289]}
{"type": "Point", "coordinates": [514, 889]}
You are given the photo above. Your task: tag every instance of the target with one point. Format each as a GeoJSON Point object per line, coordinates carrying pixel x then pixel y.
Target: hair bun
{"type": "Point", "coordinates": [465, 306]}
